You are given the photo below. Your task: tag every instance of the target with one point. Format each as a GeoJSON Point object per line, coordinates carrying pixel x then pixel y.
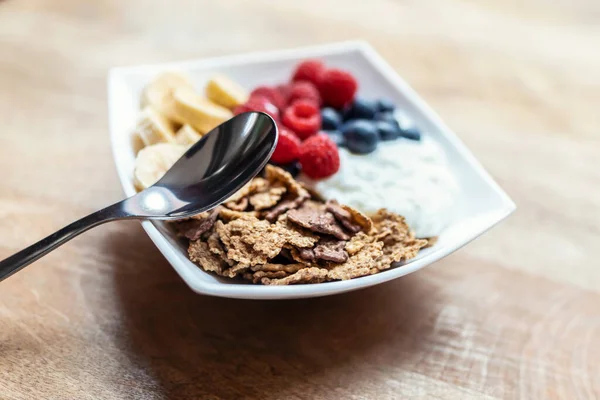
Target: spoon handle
{"type": "Point", "coordinates": [28, 255]}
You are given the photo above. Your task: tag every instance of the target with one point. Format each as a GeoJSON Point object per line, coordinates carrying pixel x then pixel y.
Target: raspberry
{"type": "Point", "coordinates": [337, 87]}
{"type": "Point", "coordinates": [284, 89]}
{"type": "Point", "coordinates": [319, 157]}
{"type": "Point", "coordinates": [271, 94]}
{"type": "Point", "coordinates": [258, 103]}
{"type": "Point", "coordinates": [288, 147]}
{"type": "Point", "coordinates": [303, 117]}
{"type": "Point", "coordinates": [304, 90]}
{"type": "Point", "coordinates": [309, 70]}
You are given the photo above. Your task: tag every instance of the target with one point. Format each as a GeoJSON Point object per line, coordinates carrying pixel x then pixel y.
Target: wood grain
{"type": "Point", "coordinates": [513, 315]}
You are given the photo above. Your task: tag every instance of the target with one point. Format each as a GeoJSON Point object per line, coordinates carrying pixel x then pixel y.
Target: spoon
{"type": "Point", "coordinates": [209, 172]}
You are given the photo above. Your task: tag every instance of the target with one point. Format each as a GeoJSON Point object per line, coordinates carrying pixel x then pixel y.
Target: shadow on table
{"type": "Point", "coordinates": [205, 347]}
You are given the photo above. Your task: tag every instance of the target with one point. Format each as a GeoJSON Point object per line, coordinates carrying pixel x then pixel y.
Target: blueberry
{"type": "Point", "coordinates": [362, 109]}
{"type": "Point", "coordinates": [412, 133]}
{"type": "Point", "coordinates": [346, 113]}
{"type": "Point", "coordinates": [337, 137]}
{"type": "Point", "coordinates": [385, 105]}
{"type": "Point", "coordinates": [387, 130]}
{"type": "Point", "coordinates": [293, 168]}
{"type": "Point", "coordinates": [386, 116]}
{"type": "Point", "coordinates": [349, 125]}
{"type": "Point", "coordinates": [330, 119]}
{"type": "Point", "coordinates": [361, 136]}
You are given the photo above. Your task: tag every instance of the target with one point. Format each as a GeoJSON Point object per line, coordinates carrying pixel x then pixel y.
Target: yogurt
{"type": "Point", "coordinates": [411, 178]}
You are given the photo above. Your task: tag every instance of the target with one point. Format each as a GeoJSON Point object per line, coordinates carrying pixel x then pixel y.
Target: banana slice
{"type": "Point", "coordinates": [225, 92]}
{"type": "Point", "coordinates": [153, 128]}
{"type": "Point", "coordinates": [199, 112]}
{"type": "Point", "coordinates": [159, 93]}
{"type": "Point", "coordinates": [153, 161]}
{"type": "Point", "coordinates": [186, 135]}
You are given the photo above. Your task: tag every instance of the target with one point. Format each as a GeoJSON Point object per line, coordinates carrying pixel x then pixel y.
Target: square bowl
{"type": "Point", "coordinates": [481, 202]}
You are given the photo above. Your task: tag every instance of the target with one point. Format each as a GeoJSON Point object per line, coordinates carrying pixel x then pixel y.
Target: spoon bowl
{"type": "Point", "coordinates": [209, 172]}
{"type": "Point", "coordinates": [214, 168]}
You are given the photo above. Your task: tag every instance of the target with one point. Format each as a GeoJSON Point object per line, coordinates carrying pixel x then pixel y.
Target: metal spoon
{"type": "Point", "coordinates": [212, 170]}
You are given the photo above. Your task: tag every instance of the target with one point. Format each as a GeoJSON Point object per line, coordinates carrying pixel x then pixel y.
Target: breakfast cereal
{"type": "Point", "coordinates": [294, 237]}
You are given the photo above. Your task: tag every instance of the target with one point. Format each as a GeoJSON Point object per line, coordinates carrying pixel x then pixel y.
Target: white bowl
{"type": "Point", "coordinates": [482, 203]}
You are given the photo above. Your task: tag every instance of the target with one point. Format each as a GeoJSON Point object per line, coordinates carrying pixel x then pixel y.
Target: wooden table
{"type": "Point", "coordinates": [516, 314]}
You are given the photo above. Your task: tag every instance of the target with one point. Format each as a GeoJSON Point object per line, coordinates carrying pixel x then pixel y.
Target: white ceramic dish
{"type": "Point", "coordinates": [482, 203]}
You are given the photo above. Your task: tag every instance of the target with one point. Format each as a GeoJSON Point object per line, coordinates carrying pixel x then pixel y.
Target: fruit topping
{"type": "Point", "coordinates": [159, 93]}
{"type": "Point", "coordinates": [303, 117]}
{"type": "Point", "coordinates": [330, 118]}
{"type": "Point", "coordinates": [337, 87]}
{"type": "Point", "coordinates": [170, 102]}
{"type": "Point", "coordinates": [387, 130]}
{"type": "Point", "coordinates": [152, 162]}
{"type": "Point", "coordinates": [284, 89]}
{"type": "Point", "coordinates": [319, 157]}
{"type": "Point", "coordinates": [304, 90]}
{"type": "Point", "coordinates": [225, 92]}
{"type": "Point", "coordinates": [407, 127]}
{"type": "Point", "coordinates": [199, 112]}
{"type": "Point", "coordinates": [288, 147]}
{"type": "Point", "coordinates": [361, 136]}
{"type": "Point", "coordinates": [153, 128]}
{"type": "Point", "coordinates": [386, 116]}
{"type": "Point", "coordinates": [186, 135]}
{"type": "Point", "coordinates": [412, 133]}
{"type": "Point", "coordinates": [258, 103]}
{"type": "Point", "coordinates": [272, 94]}
{"type": "Point", "coordinates": [309, 70]}
{"type": "Point", "coordinates": [362, 109]}
{"type": "Point", "coordinates": [385, 105]}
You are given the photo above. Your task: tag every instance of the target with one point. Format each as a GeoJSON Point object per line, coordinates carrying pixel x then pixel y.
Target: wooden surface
{"type": "Point", "coordinates": [516, 314]}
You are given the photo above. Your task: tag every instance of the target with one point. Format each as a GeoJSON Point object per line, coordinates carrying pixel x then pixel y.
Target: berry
{"type": "Point", "coordinates": [337, 137]}
{"type": "Point", "coordinates": [304, 90]}
{"type": "Point", "coordinates": [346, 113]}
{"type": "Point", "coordinates": [362, 109]}
{"type": "Point", "coordinates": [303, 117]}
{"type": "Point", "coordinates": [337, 87]}
{"type": "Point", "coordinates": [258, 103]}
{"type": "Point", "coordinates": [385, 105]}
{"type": "Point", "coordinates": [412, 133]}
{"type": "Point", "coordinates": [309, 70]}
{"type": "Point", "coordinates": [387, 130]}
{"type": "Point", "coordinates": [284, 89]}
{"type": "Point", "coordinates": [271, 94]}
{"type": "Point", "coordinates": [319, 157]}
{"type": "Point", "coordinates": [293, 168]}
{"type": "Point", "coordinates": [361, 136]}
{"type": "Point", "coordinates": [386, 116]}
{"type": "Point", "coordinates": [288, 147]}
{"type": "Point", "coordinates": [330, 119]}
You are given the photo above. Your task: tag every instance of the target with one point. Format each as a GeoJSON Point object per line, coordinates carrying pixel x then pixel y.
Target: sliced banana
{"type": "Point", "coordinates": [159, 92]}
{"type": "Point", "coordinates": [186, 135]}
{"type": "Point", "coordinates": [153, 128]}
{"type": "Point", "coordinates": [225, 92]}
{"type": "Point", "coordinates": [199, 112]}
{"type": "Point", "coordinates": [153, 161]}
